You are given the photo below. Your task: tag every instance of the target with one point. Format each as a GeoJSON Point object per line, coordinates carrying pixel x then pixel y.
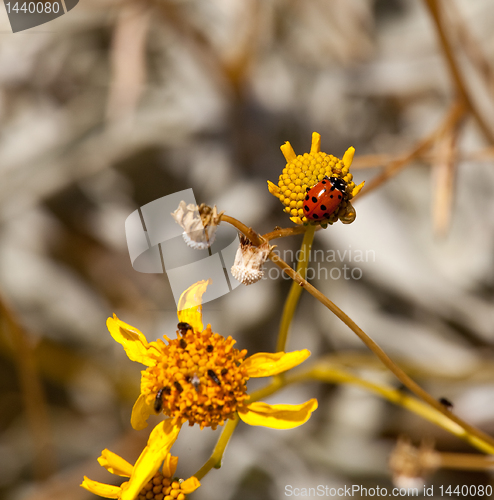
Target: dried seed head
{"type": "Point", "coordinates": [410, 465]}
{"type": "Point", "coordinates": [199, 224]}
{"type": "Point", "coordinates": [249, 260]}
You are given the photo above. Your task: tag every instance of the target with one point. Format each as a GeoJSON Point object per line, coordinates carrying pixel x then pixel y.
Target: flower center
{"type": "Point", "coordinates": [305, 171]}
{"type": "Point", "coordinates": [200, 378]}
{"type": "Point", "coordinates": [161, 488]}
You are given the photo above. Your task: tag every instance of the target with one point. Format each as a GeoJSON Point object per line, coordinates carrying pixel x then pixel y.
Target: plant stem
{"type": "Point", "coordinates": [295, 290]}
{"type": "Point", "coordinates": [287, 231]}
{"type": "Point", "coordinates": [323, 371]}
{"type": "Point", "coordinates": [465, 461]}
{"type": "Point", "coordinates": [385, 359]}
{"type": "Point", "coordinates": [214, 460]}
{"type": "Point", "coordinates": [454, 114]}
{"type": "Point", "coordinates": [461, 89]}
{"type": "Point", "coordinates": [468, 431]}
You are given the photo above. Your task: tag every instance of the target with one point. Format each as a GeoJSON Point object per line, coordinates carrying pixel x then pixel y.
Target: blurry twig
{"type": "Point", "coordinates": [233, 67]}
{"type": "Point", "coordinates": [325, 371]}
{"type": "Point", "coordinates": [44, 462]}
{"type": "Point", "coordinates": [435, 10]}
{"type": "Point", "coordinates": [128, 60]}
{"type": "Point", "coordinates": [379, 160]}
{"type": "Point", "coordinates": [444, 169]}
{"type": "Point", "coordinates": [455, 113]}
{"type": "Point", "coordinates": [470, 432]}
{"type": "Point", "coordinates": [471, 45]}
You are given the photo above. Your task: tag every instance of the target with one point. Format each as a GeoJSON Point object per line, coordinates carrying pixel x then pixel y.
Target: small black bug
{"type": "Point", "coordinates": [196, 382]}
{"type": "Point", "coordinates": [183, 327]}
{"type": "Point", "coordinates": [216, 380]}
{"type": "Point", "coordinates": [446, 402]}
{"type": "Point", "coordinates": [158, 402]}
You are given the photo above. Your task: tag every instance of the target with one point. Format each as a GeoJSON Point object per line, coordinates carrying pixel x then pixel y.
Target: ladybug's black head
{"type": "Point", "coordinates": [338, 184]}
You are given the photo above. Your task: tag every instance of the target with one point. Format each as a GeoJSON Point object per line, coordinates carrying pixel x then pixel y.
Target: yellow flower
{"type": "Point", "coordinates": [145, 479]}
{"type": "Point", "coordinates": [200, 378]}
{"type": "Point", "coordinates": [305, 171]}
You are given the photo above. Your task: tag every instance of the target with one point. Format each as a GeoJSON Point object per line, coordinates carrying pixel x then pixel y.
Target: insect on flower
{"type": "Point", "coordinates": [215, 379]}
{"type": "Point", "coordinates": [196, 382]}
{"type": "Point", "coordinates": [158, 402]}
{"type": "Point", "coordinates": [203, 376]}
{"type": "Point", "coordinates": [324, 198]}
{"type": "Point", "coordinates": [183, 327]}
{"type": "Point", "coordinates": [306, 175]}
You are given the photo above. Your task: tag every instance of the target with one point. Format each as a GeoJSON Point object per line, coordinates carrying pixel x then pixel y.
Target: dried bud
{"type": "Point", "coordinates": [199, 224]}
{"type": "Point", "coordinates": [410, 465]}
{"type": "Point", "coordinates": [249, 259]}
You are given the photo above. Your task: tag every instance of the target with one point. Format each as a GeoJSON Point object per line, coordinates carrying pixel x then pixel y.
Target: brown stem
{"type": "Point", "coordinates": [284, 232]}
{"type": "Point", "coordinates": [255, 238]}
{"type": "Point", "coordinates": [384, 358]}
{"type": "Point", "coordinates": [32, 393]}
{"type": "Point", "coordinates": [465, 461]}
{"type": "Point", "coordinates": [451, 118]}
{"type": "Point", "coordinates": [461, 89]}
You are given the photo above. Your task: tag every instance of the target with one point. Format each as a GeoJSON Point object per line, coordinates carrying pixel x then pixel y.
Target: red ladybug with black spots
{"type": "Point", "coordinates": [324, 198]}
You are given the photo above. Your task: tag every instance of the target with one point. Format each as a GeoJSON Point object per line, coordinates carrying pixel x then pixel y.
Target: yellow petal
{"type": "Point", "coordinates": [115, 464]}
{"type": "Point", "coordinates": [159, 444]}
{"type": "Point", "coordinates": [357, 189]}
{"type": "Point", "coordinates": [348, 156]}
{"type": "Point", "coordinates": [277, 416]}
{"type": "Point", "coordinates": [133, 341]}
{"type": "Point", "coordinates": [103, 490]}
{"type": "Point", "coordinates": [288, 151]}
{"type": "Point", "coordinates": [316, 143]}
{"type": "Point", "coordinates": [274, 189]}
{"type": "Point", "coordinates": [140, 413]}
{"type": "Point", "coordinates": [190, 485]}
{"type": "Point", "coordinates": [189, 305]}
{"type": "Point", "coordinates": [297, 220]}
{"type": "Point", "coordinates": [266, 364]}
{"type": "Point", "coordinates": [170, 466]}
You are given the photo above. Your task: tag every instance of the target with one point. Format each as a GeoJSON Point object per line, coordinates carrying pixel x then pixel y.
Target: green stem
{"type": "Point", "coordinates": [470, 433]}
{"type": "Point", "coordinates": [330, 374]}
{"type": "Point", "coordinates": [214, 460]}
{"type": "Point", "coordinates": [295, 289]}
{"type": "Point", "coordinates": [384, 358]}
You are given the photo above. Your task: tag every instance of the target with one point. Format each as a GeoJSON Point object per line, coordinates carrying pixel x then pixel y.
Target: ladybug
{"type": "Point", "coordinates": [324, 198]}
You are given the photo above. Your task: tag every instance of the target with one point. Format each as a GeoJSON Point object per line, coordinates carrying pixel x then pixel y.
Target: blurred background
{"type": "Point", "coordinates": [116, 104]}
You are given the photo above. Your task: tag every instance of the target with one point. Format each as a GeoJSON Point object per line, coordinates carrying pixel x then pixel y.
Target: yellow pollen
{"type": "Point", "coordinates": [160, 488]}
{"type": "Point", "coordinates": [302, 172]}
{"type": "Point", "coordinates": [199, 378]}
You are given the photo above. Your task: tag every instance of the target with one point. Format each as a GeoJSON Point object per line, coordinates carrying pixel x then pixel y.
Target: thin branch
{"type": "Point", "coordinates": [32, 393]}
{"type": "Point", "coordinates": [457, 77]}
{"type": "Point", "coordinates": [455, 113]}
{"type": "Point", "coordinates": [373, 346]}
{"type": "Point", "coordinates": [295, 291]}
{"type": "Point", "coordinates": [214, 460]}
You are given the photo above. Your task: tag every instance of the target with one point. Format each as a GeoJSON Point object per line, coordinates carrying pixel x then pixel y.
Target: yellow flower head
{"type": "Point", "coordinates": [200, 378]}
{"type": "Point", "coordinates": [146, 481]}
{"type": "Point", "coordinates": [303, 172]}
